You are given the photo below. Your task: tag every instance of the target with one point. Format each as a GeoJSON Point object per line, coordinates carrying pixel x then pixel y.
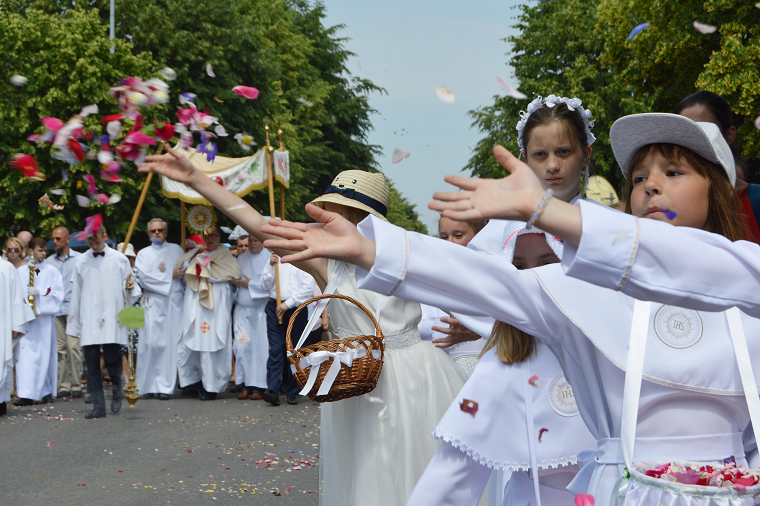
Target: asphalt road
{"type": "Point", "coordinates": [181, 451]}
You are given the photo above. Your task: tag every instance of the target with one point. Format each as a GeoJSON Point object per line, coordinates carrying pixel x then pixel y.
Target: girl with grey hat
{"type": "Point", "coordinates": [691, 404]}
{"type": "Point", "coordinates": [375, 447]}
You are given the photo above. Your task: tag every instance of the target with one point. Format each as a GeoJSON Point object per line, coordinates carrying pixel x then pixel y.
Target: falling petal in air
{"type": "Point", "coordinates": [637, 29]}
{"type": "Point", "coordinates": [18, 80]}
{"type": "Point", "coordinates": [209, 70]}
{"type": "Point", "coordinates": [510, 90]}
{"type": "Point", "coordinates": [444, 94]}
{"type": "Point", "coordinates": [399, 155]}
{"type": "Point", "coordinates": [246, 91]}
{"type": "Point", "coordinates": [168, 73]}
{"type": "Point", "coordinates": [704, 28]}
{"type": "Point", "coordinates": [305, 102]}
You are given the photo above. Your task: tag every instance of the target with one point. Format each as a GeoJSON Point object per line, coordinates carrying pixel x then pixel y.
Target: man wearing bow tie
{"type": "Point", "coordinates": [102, 286]}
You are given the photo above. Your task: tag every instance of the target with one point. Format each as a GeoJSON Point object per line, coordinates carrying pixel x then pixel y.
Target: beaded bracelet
{"type": "Point", "coordinates": [540, 208]}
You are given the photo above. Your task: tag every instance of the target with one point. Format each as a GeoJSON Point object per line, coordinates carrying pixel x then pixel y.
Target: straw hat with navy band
{"type": "Point", "coordinates": [367, 191]}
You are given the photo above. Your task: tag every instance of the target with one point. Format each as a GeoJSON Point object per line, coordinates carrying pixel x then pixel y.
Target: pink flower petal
{"type": "Point", "coordinates": [82, 201]}
{"type": "Point", "coordinates": [584, 500]}
{"type": "Point", "coordinates": [52, 123]}
{"type": "Point", "coordinates": [541, 433]}
{"type": "Point", "coordinates": [510, 90]}
{"type": "Point", "coordinates": [246, 91]}
{"type": "Point", "coordinates": [102, 198]}
{"type": "Point", "coordinates": [757, 122]}
{"type": "Point", "coordinates": [533, 380]}
{"type": "Point", "coordinates": [399, 155]}
{"type": "Point", "coordinates": [140, 138]}
{"type": "Point", "coordinates": [704, 28]}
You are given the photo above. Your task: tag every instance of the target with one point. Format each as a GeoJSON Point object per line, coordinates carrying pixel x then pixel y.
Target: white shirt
{"type": "Point", "coordinates": [296, 286]}
{"type": "Point", "coordinates": [253, 267]}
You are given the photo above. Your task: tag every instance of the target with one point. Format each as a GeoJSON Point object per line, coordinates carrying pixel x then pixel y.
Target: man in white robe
{"type": "Point", "coordinates": [162, 288]}
{"type": "Point", "coordinates": [37, 363]}
{"type": "Point", "coordinates": [102, 287]}
{"type": "Point", "coordinates": [205, 348]}
{"type": "Point", "coordinates": [14, 315]}
{"type": "Point", "coordinates": [251, 345]}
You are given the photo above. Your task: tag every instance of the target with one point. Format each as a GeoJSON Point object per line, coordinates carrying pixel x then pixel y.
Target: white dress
{"type": "Point", "coordinates": [692, 405]}
{"type": "Point", "coordinates": [374, 452]}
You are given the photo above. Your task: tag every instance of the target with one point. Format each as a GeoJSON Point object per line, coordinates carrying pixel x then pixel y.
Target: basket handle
{"type": "Point", "coordinates": [289, 343]}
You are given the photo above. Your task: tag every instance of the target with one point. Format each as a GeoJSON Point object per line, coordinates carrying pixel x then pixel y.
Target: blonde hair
{"type": "Point", "coordinates": [18, 243]}
{"type": "Point", "coordinates": [512, 344]}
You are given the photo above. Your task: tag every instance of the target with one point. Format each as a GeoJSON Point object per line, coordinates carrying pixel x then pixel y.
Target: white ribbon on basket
{"type": "Point", "coordinates": [315, 360]}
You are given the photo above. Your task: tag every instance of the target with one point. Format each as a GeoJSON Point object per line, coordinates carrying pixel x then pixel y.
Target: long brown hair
{"type": "Point", "coordinates": [512, 344]}
{"type": "Point", "coordinates": [724, 215]}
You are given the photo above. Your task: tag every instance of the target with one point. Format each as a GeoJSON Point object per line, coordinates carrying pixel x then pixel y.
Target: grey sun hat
{"type": "Point", "coordinates": [631, 133]}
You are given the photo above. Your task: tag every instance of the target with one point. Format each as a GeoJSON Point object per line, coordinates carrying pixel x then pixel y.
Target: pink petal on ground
{"type": "Point", "coordinates": [52, 123]}
{"type": "Point", "coordinates": [704, 28]}
{"type": "Point", "coordinates": [246, 91]}
{"type": "Point", "coordinates": [510, 90]}
{"type": "Point", "coordinates": [399, 155]}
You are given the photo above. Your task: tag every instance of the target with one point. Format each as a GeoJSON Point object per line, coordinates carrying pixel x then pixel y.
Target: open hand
{"type": "Point", "coordinates": [173, 165]}
{"type": "Point", "coordinates": [513, 197]}
{"type": "Point", "coordinates": [334, 237]}
{"type": "Point", "coordinates": [456, 333]}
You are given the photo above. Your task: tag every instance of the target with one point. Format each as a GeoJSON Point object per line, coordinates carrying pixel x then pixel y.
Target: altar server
{"type": "Point", "coordinates": [692, 403]}
{"type": "Point", "coordinates": [102, 287]}
{"type": "Point", "coordinates": [251, 345]}
{"type": "Point", "coordinates": [205, 348]}
{"type": "Point", "coordinates": [37, 366]}
{"type": "Point", "coordinates": [15, 312]}
{"type": "Point", "coordinates": [162, 289]}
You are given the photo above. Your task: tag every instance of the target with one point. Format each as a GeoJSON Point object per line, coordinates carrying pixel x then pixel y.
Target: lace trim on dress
{"type": "Point", "coordinates": [396, 341]}
{"type": "Point", "coordinates": [496, 464]}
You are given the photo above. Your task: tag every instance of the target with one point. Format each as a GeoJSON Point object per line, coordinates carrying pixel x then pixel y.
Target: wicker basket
{"type": "Point", "coordinates": [358, 379]}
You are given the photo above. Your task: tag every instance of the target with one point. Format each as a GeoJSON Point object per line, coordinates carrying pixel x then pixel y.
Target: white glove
{"type": "Point", "coordinates": [32, 290]}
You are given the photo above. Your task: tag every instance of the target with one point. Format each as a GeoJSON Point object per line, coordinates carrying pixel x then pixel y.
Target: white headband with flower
{"type": "Point", "coordinates": [551, 101]}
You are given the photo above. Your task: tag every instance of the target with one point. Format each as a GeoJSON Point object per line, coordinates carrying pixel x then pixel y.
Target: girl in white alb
{"type": "Point", "coordinates": [514, 414]}
{"type": "Point", "coordinates": [692, 405]}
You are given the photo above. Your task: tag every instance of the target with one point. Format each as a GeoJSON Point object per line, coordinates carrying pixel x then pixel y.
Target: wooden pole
{"type": "Point", "coordinates": [282, 186]}
{"type": "Point", "coordinates": [182, 217]}
{"type": "Point", "coordinates": [270, 169]}
{"type": "Point", "coordinates": [140, 202]}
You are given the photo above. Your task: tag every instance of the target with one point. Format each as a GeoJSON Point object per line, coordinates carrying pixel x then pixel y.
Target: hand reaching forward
{"type": "Point", "coordinates": [173, 165]}
{"type": "Point", "coordinates": [335, 237]}
{"type": "Point", "coordinates": [513, 197]}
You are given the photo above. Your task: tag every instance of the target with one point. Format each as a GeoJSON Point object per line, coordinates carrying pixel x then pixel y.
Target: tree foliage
{"type": "Point", "coordinates": [281, 47]}
{"type": "Point", "coordinates": [581, 48]}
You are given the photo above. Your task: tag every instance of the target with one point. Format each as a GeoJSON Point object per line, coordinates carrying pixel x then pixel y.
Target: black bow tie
{"type": "Point", "coordinates": [98, 254]}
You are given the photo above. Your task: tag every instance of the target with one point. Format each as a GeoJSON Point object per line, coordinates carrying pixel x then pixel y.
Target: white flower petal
{"type": "Point", "coordinates": [58, 192]}
{"type": "Point", "coordinates": [444, 94]}
{"type": "Point", "coordinates": [220, 131]}
{"type": "Point", "coordinates": [399, 155]}
{"type": "Point", "coordinates": [105, 156]}
{"type": "Point", "coordinates": [18, 80]}
{"type": "Point", "coordinates": [90, 109]}
{"type": "Point", "coordinates": [209, 70]}
{"type": "Point", "coordinates": [304, 102]}
{"type": "Point", "coordinates": [704, 28]}
{"type": "Point", "coordinates": [113, 128]}
{"type": "Point", "coordinates": [510, 90]}
{"type": "Point", "coordinates": [82, 201]}
{"type": "Point", "coordinates": [168, 73]}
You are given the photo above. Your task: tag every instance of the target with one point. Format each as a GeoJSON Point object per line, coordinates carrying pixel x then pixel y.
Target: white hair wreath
{"type": "Point", "coordinates": [551, 101]}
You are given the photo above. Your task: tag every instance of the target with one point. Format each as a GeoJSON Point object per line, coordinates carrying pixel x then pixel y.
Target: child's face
{"type": "Point", "coordinates": [556, 160]}
{"type": "Point", "coordinates": [458, 232]}
{"type": "Point", "coordinates": [39, 253]}
{"type": "Point", "coordinates": [96, 243]}
{"type": "Point", "coordinates": [531, 251]}
{"type": "Point", "coordinates": [658, 183]}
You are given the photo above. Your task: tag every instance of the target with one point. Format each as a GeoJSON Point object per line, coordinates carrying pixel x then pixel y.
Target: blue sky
{"type": "Point", "coordinates": [409, 48]}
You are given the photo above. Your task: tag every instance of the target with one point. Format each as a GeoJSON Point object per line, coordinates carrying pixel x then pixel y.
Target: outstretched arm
{"type": "Point", "coordinates": [176, 166]}
{"type": "Point", "coordinates": [514, 197]}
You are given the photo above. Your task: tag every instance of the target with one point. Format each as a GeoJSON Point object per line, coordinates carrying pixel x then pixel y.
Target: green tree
{"type": "Point", "coordinates": [280, 47]}
{"type": "Point", "coordinates": [581, 48]}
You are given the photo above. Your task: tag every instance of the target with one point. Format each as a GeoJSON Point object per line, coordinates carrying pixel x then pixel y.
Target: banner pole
{"type": "Point", "coordinates": [270, 170]}
{"type": "Point", "coordinates": [282, 185]}
{"type": "Point", "coordinates": [140, 202]}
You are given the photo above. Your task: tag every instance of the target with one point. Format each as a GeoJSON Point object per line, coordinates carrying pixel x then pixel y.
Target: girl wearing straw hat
{"type": "Point", "coordinates": [697, 395]}
{"type": "Point", "coordinates": [374, 447]}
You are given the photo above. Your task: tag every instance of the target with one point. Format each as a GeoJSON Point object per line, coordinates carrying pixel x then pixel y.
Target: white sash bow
{"type": "Point", "coordinates": [315, 360]}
